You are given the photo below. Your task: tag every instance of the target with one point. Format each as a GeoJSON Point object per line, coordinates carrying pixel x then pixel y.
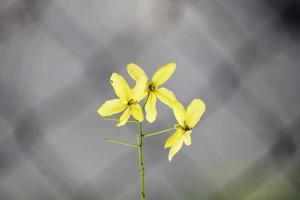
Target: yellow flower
{"type": "Point", "coordinates": [187, 119]}
{"type": "Point", "coordinates": [128, 100]}
{"type": "Point", "coordinates": [152, 89]}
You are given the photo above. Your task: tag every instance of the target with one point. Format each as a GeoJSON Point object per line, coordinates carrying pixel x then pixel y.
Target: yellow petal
{"type": "Point", "coordinates": [166, 96]}
{"type": "Point", "coordinates": [136, 72]}
{"type": "Point", "coordinates": [173, 138]}
{"type": "Point", "coordinates": [139, 91]}
{"type": "Point", "coordinates": [124, 117]}
{"type": "Point", "coordinates": [187, 138]}
{"type": "Point", "coordinates": [175, 148]}
{"type": "Point", "coordinates": [150, 108]}
{"type": "Point", "coordinates": [120, 86]}
{"type": "Point", "coordinates": [163, 74]}
{"type": "Point", "coordinates": [137, 113]}
{"type": "Point", "coordinates": [111, 107]}
{"type": "Point", "coordinates": [179, 112]}
{"type": "Point", "coordinates": [194, 112]}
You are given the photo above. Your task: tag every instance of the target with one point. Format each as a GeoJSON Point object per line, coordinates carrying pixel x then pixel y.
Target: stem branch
{"type": "Point", "coordinates": [115, 119]}
{"type": "Point", "coordinates": [158, 132]}
{"type": "Point", "coordinates": [121, 142]}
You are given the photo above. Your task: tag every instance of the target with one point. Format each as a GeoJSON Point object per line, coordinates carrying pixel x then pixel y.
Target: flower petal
{"type": "Point", "coordinates": [120, 86]}
{"type": "Point", "coordinates": [187, 138]}
{"type": "Point", "coordinates": [179, 112]}
{"type": "Point", "coordinates": [163, 73]}
{"type": "Point", "coordinates": [173, 138]}
{"type": "Point", "coordinates": [175, 148]}
{"type": "Point", "coordinates": [137, 112]}
{"type": "Point", "coordinates": [194, 112]}
{"type": "Point", "coordinates": [110, 107]}
{"type": "Point", "coordinates": [136, 72]}
{"type": "Point", "coordinates": [124, 117]}
{"type": "Point", "coordinates": [166, 96]}
{"type": "Point", "coordinates": [139, 91]}
{"type": "Point", "coordinates": [150, 108]}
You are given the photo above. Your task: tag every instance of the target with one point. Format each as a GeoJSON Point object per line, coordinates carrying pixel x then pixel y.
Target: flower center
{"type": "Point", "coordinates": [184, 128]}
{"type": "Point", "coordinates": [131, 102]}
{"type": "Point", "coordinates": [151, 86]}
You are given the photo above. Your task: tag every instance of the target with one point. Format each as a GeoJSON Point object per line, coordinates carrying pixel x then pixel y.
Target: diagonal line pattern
{"type": "Point", "coordinates": [224, 82]}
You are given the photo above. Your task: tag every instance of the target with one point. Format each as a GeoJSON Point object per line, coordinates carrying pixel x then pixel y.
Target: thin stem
{"type": "Point", "coordinates": [158, 132]}
{"type": "Point", "coordinates": [141, 161]}
{"type": "Point", "coordinates": [140, 152]}
{"type": "Point", "coordinates": [121, 142]}
{"type": "Point", "coordinates": [115, 119]}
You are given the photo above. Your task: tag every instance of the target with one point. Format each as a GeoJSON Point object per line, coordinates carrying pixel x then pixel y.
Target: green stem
{"type": "Point", "coordinates": [141, 161]}
{"type": "Point", "coordinates": [158, 132]}
{"type": "Point", "coordinates": [115, 119]}
{"type": "Point", "coordinates": [121, 142]}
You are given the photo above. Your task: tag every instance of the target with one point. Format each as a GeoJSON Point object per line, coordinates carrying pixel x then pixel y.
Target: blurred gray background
{"type": "Point", "coordinates": [240, 56]}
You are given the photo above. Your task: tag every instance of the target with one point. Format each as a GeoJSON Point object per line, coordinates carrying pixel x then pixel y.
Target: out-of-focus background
{"type": "Point", "coordinates": [240, 56]}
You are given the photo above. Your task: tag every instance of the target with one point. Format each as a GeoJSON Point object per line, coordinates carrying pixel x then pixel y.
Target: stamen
{"type": "Point", "coordinates": [151, 86]}
{"type": "Point", "coordinates": [185, 127]}
{"type": "Point", "coordinates": [131, 102]}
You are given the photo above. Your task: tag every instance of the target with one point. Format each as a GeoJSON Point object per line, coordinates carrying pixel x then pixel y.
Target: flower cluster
{"type": "Point", "coordinates": [129, 99]}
